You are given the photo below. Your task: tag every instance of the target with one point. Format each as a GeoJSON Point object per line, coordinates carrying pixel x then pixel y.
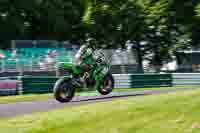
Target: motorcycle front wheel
{"type": "Point", "coordinates": [107, 85]}
{"type": "Point", "coordinates": [64, 91]}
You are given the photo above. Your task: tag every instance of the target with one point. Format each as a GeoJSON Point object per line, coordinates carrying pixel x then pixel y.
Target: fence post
{"type": "Point", "coordinates": [31, 65]}
{"type": "Point", "coordinates": [3, 65]}
{"type": "Point", "coordinates": [19, 85]}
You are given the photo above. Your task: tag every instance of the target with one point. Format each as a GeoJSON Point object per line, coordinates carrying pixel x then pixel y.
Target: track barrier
{"type": "Point", "coordinates": [44, 84]}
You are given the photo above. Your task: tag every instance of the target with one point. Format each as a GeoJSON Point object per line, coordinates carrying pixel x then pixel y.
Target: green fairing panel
{"type": "Point", "coordinates": [70, 66]}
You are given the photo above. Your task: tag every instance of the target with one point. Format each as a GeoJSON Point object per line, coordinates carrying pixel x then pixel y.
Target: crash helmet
{"type": "Point", "coordinates": [91, 42]}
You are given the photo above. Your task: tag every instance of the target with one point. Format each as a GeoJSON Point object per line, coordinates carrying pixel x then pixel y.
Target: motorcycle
{"type": "Point", "coordinates": [95, 74]}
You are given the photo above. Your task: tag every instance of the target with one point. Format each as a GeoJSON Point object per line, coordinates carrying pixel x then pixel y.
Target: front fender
{"type": "Point", "coordinates": [71, 68]}
{"type": "Point", "coordinates": [64, 68]}
{"type": "Point", "coordinates": [65, 65]}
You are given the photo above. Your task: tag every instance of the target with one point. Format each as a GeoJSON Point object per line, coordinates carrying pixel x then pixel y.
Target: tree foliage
{"type": "Point", "coordinates": [156, 27]}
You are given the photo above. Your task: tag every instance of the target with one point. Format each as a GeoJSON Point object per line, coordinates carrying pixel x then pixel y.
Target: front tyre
{"type": "Point", "coordinates": [107, 85]}
{"type": "Point", "coordinates": [63, 90]}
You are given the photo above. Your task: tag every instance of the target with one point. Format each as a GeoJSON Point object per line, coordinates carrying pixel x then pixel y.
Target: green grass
{"type": "Point", "coordinates": [177, 112]}
{"type": "Point", "coordinates": [36, 97]}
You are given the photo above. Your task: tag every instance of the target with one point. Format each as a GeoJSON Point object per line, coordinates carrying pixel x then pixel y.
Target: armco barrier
{"type": "Point", "coordinates": [151, 80]}
{"type": "Point", "coordinates": [37, 84]}
{"type": "Point", "coordinates": [45, 84]}
{"type": "Point", "coordinates": [142, 80]}
{"type": "Point", "coordinates": [33, 84]}
{"type": "Point", "coordinates": [8, 87]}
{"type": "Point", "coordinates": [184, 79]}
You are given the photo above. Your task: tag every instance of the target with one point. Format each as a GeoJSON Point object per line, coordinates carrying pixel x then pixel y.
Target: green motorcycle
{"type": "Point", "coordinates": [95, 73]}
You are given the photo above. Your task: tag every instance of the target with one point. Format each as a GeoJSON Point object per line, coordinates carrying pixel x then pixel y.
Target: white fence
{"type": "Point", "coordinates": [122, 80]}
{"type": "Point", "coordinates": [184, 79]}
{"type": "Point", "coordinates": [179, 79]}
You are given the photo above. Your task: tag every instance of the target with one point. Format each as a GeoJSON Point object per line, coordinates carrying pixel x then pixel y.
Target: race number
{"type": "Point", "coordinates": [105, 70]}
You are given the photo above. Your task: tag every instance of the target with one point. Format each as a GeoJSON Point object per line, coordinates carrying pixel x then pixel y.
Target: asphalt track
{"type": "Point", "coordinates": [23, 108]}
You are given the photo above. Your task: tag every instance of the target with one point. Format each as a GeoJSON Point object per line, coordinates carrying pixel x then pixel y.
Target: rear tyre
{"type": "Point", "coordinates": [107, 85]}
{"type": "Point", "coordinates": [64, 91]}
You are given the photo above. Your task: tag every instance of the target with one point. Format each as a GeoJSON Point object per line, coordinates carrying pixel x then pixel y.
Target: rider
{"type": "Point", "coordinates": [82, 60]}
{"type": "Point", "coordinates": [85, 51]}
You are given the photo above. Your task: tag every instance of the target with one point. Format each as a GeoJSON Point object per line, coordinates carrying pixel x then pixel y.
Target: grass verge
{"type": "Point", "coordinates": [177, 112]}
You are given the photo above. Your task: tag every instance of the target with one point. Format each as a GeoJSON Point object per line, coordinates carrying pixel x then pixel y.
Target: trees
{"type": "Point", "coordinates": [41, 19]}
{"type": "Point", "coordinates": [157, 27]}
{"type": "Point", "coordinates": [11, 20]}
{"type": "Point", "coordinates": [113, 22]}
{"type": "Point", "coordinates": [172, 27]}
{"type": "Point", "coordinates": [57, 19]}
{"type": "Point", "coordinates": [196, 28]}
